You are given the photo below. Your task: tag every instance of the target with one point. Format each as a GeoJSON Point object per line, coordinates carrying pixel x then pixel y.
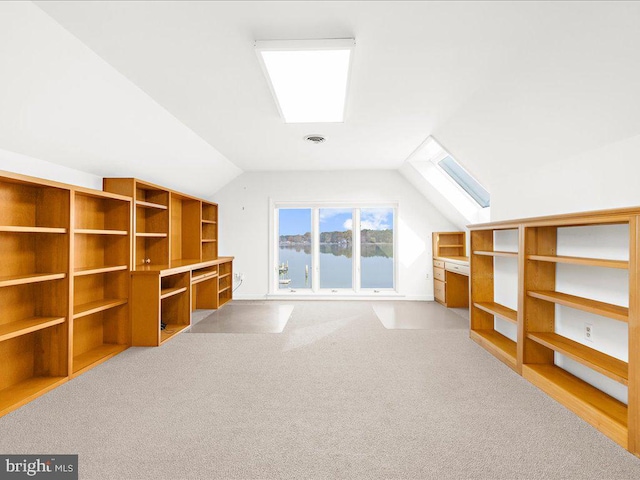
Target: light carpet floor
{"type": "Point", "coordinates": [336, 395]}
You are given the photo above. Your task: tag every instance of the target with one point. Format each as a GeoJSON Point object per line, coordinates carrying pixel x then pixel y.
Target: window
{"type": "Point", "coordinates": [466, 181]}
{"type": "Point", "coordinates": [334, 249]}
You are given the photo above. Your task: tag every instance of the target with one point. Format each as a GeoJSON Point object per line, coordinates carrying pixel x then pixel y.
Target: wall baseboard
{"type": "Point", "coordinates": [365, 298]}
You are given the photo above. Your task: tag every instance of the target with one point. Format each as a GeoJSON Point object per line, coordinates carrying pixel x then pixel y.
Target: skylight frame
{"type": "Point", "coordinates": [327, 44]}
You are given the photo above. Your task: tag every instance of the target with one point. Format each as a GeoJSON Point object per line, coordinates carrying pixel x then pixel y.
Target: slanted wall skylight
{"type": "Point", "coordinates": [465, 181]}
{"type": "Point", "coordinates": [308, 78]}
{"type": "Point", "coordinates": [452, 181]}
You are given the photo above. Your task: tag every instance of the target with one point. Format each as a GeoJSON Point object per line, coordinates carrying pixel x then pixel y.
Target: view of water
{"type": "Point", "coordinates": [336, 266]}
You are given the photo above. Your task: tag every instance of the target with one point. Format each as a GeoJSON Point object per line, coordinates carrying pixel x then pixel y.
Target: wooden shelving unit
{"type": "Point", "coordinates": [484, 310]}
{"type": "Point", "coordinates": [209, 222]}
{"type": "Point", "coordinates": [34, 287]}
{"type": "Point", "coordinates": [176, 259]}
{"type": "Point", "coordinates": [100, 325]}
{"type": "Point", "coordinates": [150, 218]}
{"type": "Point", "coordinates": [450, 269]}
{"type": "Point", "coordinates": [65, 278]}
{"type": "Point", "coordinates": [225, 276]}
{"type": "Point", "coordinates": [534, 355]}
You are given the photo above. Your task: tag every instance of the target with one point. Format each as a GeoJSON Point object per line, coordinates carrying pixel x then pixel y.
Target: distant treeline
{"type": "Point", "coordinates": [366, 236]}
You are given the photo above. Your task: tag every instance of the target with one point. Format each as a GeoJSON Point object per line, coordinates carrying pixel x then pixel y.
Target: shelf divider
{"type": "Point", "coordinates": [21, 229]}
{"type": "Point", "coordinates": [498, 310]}
{"type": "Point", "coordinates": [31, 278]}
{"type": "Point", "coordinates": [90, 308]}
{"type": "Point", "coordinates": [495, 254]}
{"type": "Point", "coordinates": [28, 325]}
{"type": "Point", "coordinates": [594, 406]}
{"type": "Point", "coordinates": [93, 231]}
{"type": "Point", "coordinates": [595, 262]}
{"type": "Point", "coordinates": [586, 304]}
{"type": "Point", "coordinates": [605, 364]}
{"type": "Point", "coordinates": [78, 272]}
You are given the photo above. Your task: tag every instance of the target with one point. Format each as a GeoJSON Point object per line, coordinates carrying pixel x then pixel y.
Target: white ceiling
{"type": "Point", "coordinates": [501, 85]}
{"type": "Point", "coordinates": [415, 64]}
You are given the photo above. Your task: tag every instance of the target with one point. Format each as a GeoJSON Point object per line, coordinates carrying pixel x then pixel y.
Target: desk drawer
{"type": "Point", "coordinates": [439, 291]}
{"type": "Point", "coordinates": [438, 264]}
{"type": "Point", "coordinates": [456, 268]}
{"type": "Point", "coordinates": [438, 274]}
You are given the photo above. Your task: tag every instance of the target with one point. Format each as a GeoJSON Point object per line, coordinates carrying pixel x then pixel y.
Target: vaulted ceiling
{"type": "Point", "coordinates": [497, 83]}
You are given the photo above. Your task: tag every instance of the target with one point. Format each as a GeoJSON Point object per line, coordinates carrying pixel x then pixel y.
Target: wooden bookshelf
{"type": "Point", "coordinates": [485, 311]}
{"type": "Point", "coordinates": [100, 325]}
{"type": "Point", "coordinates": [538, 340]}
{"type": "Point", "coordinates": [175, 251]}
{"type": "Point", "coordinates": [35, 225]}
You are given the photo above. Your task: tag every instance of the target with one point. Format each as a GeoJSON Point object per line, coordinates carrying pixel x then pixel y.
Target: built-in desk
{"type": "Point", "coordinates": [169, 293]}
{"type": "Point", "coordinates": [451, 281]}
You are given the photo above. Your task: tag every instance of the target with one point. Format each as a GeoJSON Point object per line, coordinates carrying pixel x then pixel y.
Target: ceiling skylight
{"type": "Point", "coordinates": [308, 78]}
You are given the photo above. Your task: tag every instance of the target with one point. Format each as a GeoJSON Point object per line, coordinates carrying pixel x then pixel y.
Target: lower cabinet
{"type": "Point", "coordinates": [162, 299]}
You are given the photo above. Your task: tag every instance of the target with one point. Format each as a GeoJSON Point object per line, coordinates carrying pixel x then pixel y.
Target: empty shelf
{"type": "Point", "coordinates": [94, 270]}
{"type": "Point", "coordinates": [97, 306]}
{"type": "Point", "coordinates": [496, 254]}
{"type": "Point", "coordinates": [140, 203]}
{"type": "Point", "coordinates": [595, 262]}
{"type": "Point", "coordinates": [96, 355]}
{"type": "Point", "coordinates": [19, 229]}
{"type": "Point", "coordinates": [592, 306]}
{"type": "Point", "coordinates": [596, 407]}
{"type": "Point", "coordinates": [498, 310]}
{"type": "Point", "coordinates": [169, 292]}
{"type": "Point", "coordinates": [91, 231]}
{"type": "Point", "coordinates": [223, 290]}
{"type": "Point", "coordinates": [28, 325]}
{"type": "Point", "coordinates": [208, 240]}
{"type": "Point", "coordinates": [496, 343]}
{"type": "Point", "coordinates": [210, 222]}
{"type": "Point", "coordinates": [25, 391]}
{"type": "Point", "coordinates": [601, 362]}
{"type": "Point", "coordinates": [151, 235]}
{"type": "Point", "coordinates": [31, 278]}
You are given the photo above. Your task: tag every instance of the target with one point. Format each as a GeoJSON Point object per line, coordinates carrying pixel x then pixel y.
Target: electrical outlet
{"type": "Point", "coordinates": [588, 332]}
{"type": "Point", "coordinates": [239, 276]}
{"type": "Point", "coordinates": [427, 276]}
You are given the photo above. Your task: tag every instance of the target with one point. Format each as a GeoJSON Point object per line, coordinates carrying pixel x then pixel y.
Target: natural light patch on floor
{"type": "Point", "coordinates": [245, 319]}
{"type": "Point", "coordinates": [301, 337]}
{"type": "Point", "coordinates": [418, 316]}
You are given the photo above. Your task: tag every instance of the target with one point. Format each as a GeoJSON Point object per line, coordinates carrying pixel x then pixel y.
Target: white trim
{"type": "Point", "coordinates": [315, 207]}
{"type": "Point", "coordinates": [249, 296]}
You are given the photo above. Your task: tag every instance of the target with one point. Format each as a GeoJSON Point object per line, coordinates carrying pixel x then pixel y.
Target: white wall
{"type": "Point", "coordinates": [603, 178]}
{"type": "Point", "coordinates": [600, 179]}
{"type": "Point", "coordinates": [244, 221]}
{"type": "Point", "coordinates": [61, 102]}
{"type": "Point", "coordinates": [17, 163]}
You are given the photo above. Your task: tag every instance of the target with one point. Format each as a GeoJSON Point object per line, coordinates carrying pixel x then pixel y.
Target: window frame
{"type": "Point", "coordinates": [315, 290]}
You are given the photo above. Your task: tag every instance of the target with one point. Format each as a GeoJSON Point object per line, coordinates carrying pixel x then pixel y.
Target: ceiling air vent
{"type": "Point", "coordinates": [317, 139]}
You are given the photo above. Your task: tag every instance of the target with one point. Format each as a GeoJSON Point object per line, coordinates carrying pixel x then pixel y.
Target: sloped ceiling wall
{"type": "Point", "coordinates": [62, 103]}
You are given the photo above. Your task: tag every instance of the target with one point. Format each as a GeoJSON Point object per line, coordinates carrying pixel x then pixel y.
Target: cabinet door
{"type": "Point", "coordinates": [439, 290]}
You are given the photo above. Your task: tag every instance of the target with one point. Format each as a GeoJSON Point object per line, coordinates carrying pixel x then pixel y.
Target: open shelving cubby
{"type": "Point", "coordinates": [485, 312]}
{"type": "Point", "coordinates": [100, 326]}
{"type": "Point", "coordinates": [225, 283]}
{"type": "Point", "coordinates": [574, 271]}
{"type": "Point", "coordinates": [34, 288]}
{"type": "Point", "coordinates": [544, 341]}
{"type": "Point", "coordinates": [209, 231]}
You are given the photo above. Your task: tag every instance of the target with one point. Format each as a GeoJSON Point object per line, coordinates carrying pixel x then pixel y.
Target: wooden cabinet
{"type": "Point", "coordinates": [450, 269]}
{"type": "Point", "coordinates": [168, 295]}
{"type": "Point", "coordinates": [543, 294]}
